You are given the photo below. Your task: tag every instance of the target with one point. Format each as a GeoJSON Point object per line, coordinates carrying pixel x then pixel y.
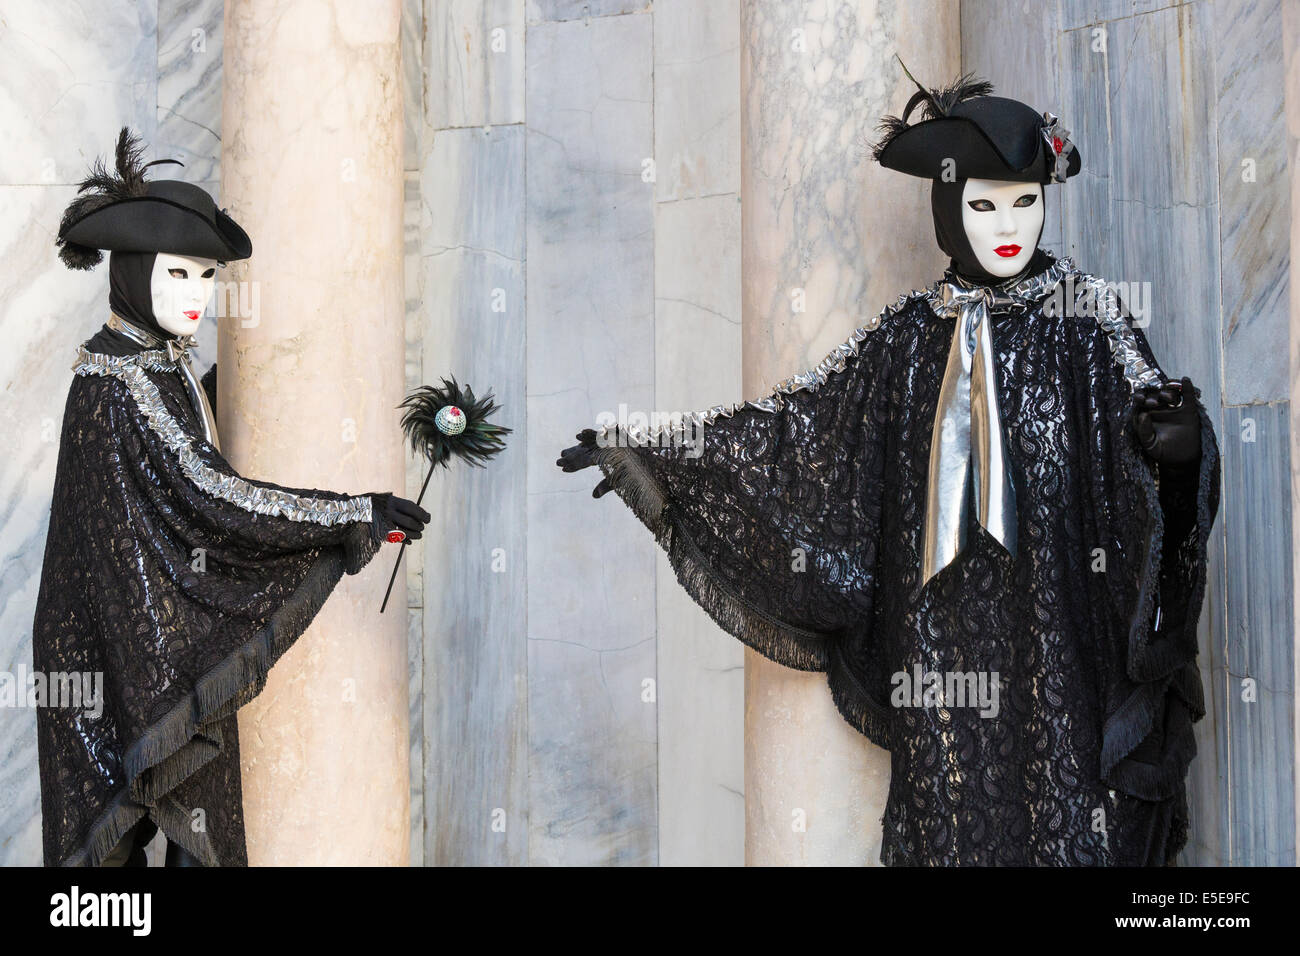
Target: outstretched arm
{"type": "Point", "coordinates": [390, 513]}
{"type": "Point", "coordinates": [769, 510]}
{"type": "Point", "coordinates": [205, 502]}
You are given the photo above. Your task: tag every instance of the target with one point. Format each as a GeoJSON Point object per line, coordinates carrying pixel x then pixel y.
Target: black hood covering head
{"type": "Point", "coordinates": [130, 295]}
{"type": "Point", "coordinates": [950, 233]}
{"type": "Point", "coordinates": [130, 289]}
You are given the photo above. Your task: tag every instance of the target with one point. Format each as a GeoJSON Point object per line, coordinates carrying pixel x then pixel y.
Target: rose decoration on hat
{"type": "Point", "coordinates": [1058, 141]}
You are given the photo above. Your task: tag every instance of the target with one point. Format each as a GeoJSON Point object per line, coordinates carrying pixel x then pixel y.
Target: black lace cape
{"type": "Point", "coordinates": [181, 583]}
{"type": "Point", "coordinates": [797, 525]}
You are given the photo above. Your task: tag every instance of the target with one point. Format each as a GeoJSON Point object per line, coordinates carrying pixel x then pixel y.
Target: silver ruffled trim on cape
{"type": "Point", "coordinates": [1123, 344]}
{"type": "Point", "coordinates": [155, 360]}
{"type": "Point", "coordinates": [178, 350]}
{"type": "Point", "coordinates": [130, 370]}
{"type": "Point", "coordinates": [1137, 371]}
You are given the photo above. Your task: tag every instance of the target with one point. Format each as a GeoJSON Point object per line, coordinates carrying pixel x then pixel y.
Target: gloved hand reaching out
{"type": "Point", "coordinates": [583, 455]}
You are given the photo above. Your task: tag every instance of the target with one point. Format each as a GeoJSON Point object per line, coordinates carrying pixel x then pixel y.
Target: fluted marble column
{"type": "Point", "coordinates": [311, 166]}
{"type": "Point", "coordinates": [827, 238]}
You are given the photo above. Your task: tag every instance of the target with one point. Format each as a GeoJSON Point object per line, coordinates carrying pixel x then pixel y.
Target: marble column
{"type": "Point", "coordinates": [309, 374]}
{"type": "Point", "coordinates": [827, 238]}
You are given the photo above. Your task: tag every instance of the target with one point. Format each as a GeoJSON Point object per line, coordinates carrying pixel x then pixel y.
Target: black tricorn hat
{"type": "Point", "coordinates": [124, 212]}
{"type": "Point", "coordinates": [972, 135]}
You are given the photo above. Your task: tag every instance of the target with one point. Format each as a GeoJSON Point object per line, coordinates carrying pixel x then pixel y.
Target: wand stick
{"type": "Point", "coordinates": [442, 422]}
{"type": "Point", "coordinates": [402, 550]}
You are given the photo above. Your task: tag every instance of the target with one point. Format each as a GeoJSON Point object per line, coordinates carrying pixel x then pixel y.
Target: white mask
{"type": "Point", "coordinates": [1003, 221]}
{"type": "Point", "coordinates": [181, 288]}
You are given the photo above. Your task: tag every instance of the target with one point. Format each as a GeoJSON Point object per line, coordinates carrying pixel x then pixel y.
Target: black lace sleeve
{"type": "Point", "coordinates": [1189, 500]}
{"type": "Point", "coordinates": [1158, 583]}
{"type": "Point", "coordinates": [769, 511]}
{"type": "Point", "coordinates": [209, 505]}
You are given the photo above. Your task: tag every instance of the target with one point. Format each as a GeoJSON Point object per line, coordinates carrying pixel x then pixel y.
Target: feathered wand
{"type": "Point", "coordinates": [442, 421]}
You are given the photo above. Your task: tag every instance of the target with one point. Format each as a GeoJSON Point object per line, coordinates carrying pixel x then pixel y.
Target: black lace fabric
{"type": "Point", "coordinates": [182, 600]}
{"type": "Point", "coordinates": [800, 529]}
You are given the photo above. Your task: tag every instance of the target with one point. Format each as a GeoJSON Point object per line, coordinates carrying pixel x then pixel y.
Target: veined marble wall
{"type": "Point", "coordinates": [1178, 113]}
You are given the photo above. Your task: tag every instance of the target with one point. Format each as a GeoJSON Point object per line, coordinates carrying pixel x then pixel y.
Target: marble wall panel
{"type": "Point", "coordinates": [189, 89]}
{"type": "Point", "coordinates": [1260, 678]}
{"type": "Point", "coordinates": [701, 667]}
{"type": "Point", "coordinates": [473, 62]}
{"type": "Point", "coordinates": [591, 592]}
{"type": "Point", "coordinates": [474, 589]}
{"type": "Point", "coordinates": [1254, 199]}
{"type": "Point", "coordinates": [560, 10]}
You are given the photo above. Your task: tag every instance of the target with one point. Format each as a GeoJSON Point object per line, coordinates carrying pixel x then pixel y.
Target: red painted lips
{"type": "Point", "coordinates": [1006, 252]}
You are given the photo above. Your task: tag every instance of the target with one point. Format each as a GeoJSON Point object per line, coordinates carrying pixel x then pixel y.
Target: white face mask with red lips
{"type": "Point", "coordinates": [181, 288]}
{"type": "Point", "coordinates": [1003, 222]}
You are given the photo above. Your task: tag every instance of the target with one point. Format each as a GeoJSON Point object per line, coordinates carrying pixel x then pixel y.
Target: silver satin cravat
{"type": "Point", "coordinates": [178, 352]}
{"type": "Point", "coordinates": [968, 445]}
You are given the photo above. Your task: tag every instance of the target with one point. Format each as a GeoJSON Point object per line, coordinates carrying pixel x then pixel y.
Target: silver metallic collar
{"type": "Point", "coordinates": [968, 445]}
{"type": "Point", "coordinates": [178, 352]}
{"type": "Point", "coordinates": [175, 347]}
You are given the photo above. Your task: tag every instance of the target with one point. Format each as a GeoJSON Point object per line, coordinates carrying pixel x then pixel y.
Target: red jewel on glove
{"type": "Point", "coordinates": [396, 537]}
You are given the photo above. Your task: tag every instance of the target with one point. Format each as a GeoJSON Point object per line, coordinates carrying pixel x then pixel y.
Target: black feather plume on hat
{"type": "Point", "coordinates": [935, 103]}
{"type": "Point", "coordinates": [102, 188]}
{"type": "Point", "coordinates": [480, 440]}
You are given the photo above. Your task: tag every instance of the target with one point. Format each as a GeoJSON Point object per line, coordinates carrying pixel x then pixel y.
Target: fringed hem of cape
{"type": "Point", "coordinates": [174, 747]}
{"type": "Point", "coordinates": [785, 644]}
{"type": "Point", "coordinates": [1154, 832]}
{"type": "Point", "coordinates": [1166, 674]}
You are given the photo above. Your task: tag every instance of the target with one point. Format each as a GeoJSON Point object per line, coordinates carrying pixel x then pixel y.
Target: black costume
{"type": "Point", "coordinates": [800, 524]}
{"type": "Point", "coordinates": [177, 579]}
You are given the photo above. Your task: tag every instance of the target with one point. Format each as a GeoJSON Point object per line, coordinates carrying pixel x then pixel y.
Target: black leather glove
{"type": "Point", "coordinates": [404, 515]}
{"type": "Point", "coordinates": [583, 455]}
{"type": "Point", "coordinates": [1168, 424]}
